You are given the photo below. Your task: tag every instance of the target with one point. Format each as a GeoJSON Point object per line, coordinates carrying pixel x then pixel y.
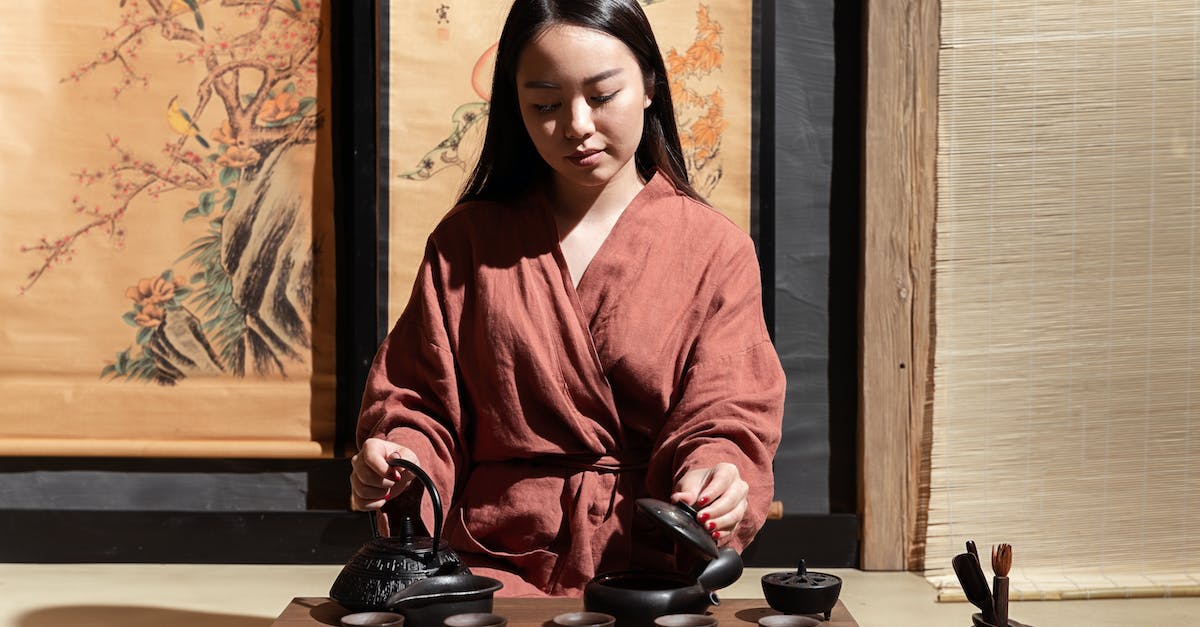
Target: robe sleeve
{"type": "Point", "coordinates": [730, 406]}
{"type": "Point", "coordinates": [412, 395]}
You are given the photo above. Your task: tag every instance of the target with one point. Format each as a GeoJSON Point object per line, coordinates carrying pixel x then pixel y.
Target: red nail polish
{"type": "Point", "coordinates": [702, 517]}
{"type": "Point", "coordinates": [702, 501]}
{"type": "Point", "coordinates": [716, 535]}
{"type": "Point", "coordinates": [712, 526]}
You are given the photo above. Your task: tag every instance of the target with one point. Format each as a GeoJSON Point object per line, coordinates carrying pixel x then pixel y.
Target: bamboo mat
{"type": "Point", "coordinates": [1064, 417]}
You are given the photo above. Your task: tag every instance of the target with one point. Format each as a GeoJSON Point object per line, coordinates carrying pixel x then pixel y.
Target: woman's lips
{"type": "Point", "coordinates": [585, 158]}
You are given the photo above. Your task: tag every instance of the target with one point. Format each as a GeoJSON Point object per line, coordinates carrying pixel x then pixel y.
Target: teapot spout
{"type": "Point", "coordinates": [443, 589]}
{"type": "Point", "coordinates": [722, 571]}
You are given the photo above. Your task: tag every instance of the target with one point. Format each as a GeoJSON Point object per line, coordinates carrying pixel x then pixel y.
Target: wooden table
{"type": "Point", "coordinates": [318, 611]}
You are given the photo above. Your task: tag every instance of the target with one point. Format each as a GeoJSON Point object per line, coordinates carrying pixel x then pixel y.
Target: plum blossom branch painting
{"type": "Point", "coordinates": [238, 300]}
{"type": "Point", "coordinates": [167, 260]}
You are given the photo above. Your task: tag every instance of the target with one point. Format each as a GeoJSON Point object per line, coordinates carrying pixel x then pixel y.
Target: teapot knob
{"type": "Point", "coordinates": [431, 489]}
{"type": "Point", "coordinates": [406, 529]}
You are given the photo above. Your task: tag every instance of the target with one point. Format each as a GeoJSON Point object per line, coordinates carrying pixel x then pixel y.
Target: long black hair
{"type": "Point", "coordinates": [509, 163]}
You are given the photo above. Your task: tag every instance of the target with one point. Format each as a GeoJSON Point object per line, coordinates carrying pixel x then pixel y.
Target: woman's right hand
{"type": "Point", "coordinates": [372, 480]}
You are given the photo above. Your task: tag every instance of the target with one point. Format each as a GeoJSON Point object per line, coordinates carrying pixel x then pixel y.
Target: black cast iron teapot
{"type": "Point", "coordinates": [387, 564]}
{"type": "Point", "coordinates": [636, 597]}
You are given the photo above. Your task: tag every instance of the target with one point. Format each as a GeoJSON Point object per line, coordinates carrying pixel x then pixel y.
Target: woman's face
{"type": "Point", "coordinates": [582, 96]}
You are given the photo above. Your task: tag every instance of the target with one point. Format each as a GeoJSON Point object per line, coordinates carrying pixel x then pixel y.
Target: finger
{"type": "Point", "coordinates": [368, 492]}
{"type": "Point", "coordinates": [727, 511]}
{"type": "Point", "coordinates": [367, 497]}
{"type": "Point", "coordinates": [372, 480]}
{"type": "Point", "coordinates": [718, 482]}
{"type": "Point", "coordinates": [729, 515]}
{"type": "Point", "coordinates": [727, 522]}
{"type": "Point", "coordinates": [687, 489]}
{"type": "Point", "coordinates": [703, 486]}
{"type": "Point", "coordinates": [364, 475]}
{"type": "Point", "coordinates": [400, 474]}
{"type": "Point", "coordinates": [725, 503]}
{"type": "Point", "coordinates": [375, 490]}
{"type": "Point", "coordinates": [375, 453]}
{"type": "Point", "coordinates": [371, 464]}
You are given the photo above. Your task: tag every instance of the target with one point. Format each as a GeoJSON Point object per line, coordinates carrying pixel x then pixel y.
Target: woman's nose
{"type": "Point", "coordinates": [579, 121]}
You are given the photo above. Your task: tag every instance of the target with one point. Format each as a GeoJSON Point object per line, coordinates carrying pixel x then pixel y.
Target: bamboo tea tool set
{"type": "Point", "coordinates": [993, 602]}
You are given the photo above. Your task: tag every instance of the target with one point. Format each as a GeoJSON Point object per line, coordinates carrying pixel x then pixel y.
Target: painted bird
{"type": "Point", "coordinates": [182, 123]}
{"type": "Point", "coordinates": [179, 6]}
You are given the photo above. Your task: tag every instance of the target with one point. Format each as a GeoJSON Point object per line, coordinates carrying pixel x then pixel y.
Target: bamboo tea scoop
{"type": "Point", "coordinates": [1001, 563]}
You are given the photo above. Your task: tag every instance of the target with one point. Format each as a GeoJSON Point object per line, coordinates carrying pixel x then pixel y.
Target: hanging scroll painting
{"type": "Point", "coordinates": [167, 269]}
{"type": "Point", "coordinates": [435, 83]}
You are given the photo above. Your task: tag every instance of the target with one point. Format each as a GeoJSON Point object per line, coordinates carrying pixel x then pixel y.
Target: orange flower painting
{"type": "Point", "coordinates": [153, 291]}
{"type": "Point", "coordinates": [700, 115]}
{"type": "Point", "coordinates": [705, 54]}
{"type": "Point", "coordinates": [150, 316]}
{"type": "Point", "coordinates": [278, 109]}
{"type": "Point", "coordinates": [225, 135]}
{"type": "Point", "coordinates": [239, 157]}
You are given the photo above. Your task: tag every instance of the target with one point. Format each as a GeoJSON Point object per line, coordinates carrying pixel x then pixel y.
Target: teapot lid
{"type": "Point", "coordinates": [679, 519]}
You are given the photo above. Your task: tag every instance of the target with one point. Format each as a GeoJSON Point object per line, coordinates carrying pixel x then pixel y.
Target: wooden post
{"type": "Point", "coordinates": [899, 194]}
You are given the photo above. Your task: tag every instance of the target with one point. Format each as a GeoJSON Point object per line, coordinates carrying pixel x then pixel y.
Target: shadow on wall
{"type": "Point", "coordinates": [133, 616]}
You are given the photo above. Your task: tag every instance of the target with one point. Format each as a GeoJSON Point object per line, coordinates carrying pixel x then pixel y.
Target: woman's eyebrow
{"type": "Point", "coordinates": [587, 81]}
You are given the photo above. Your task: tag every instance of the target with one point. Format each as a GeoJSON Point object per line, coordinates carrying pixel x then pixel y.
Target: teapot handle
{"type": "Point", "coordinates": [433, 496]}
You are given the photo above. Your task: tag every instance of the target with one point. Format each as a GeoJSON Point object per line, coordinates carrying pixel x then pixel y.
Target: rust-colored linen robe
{"type": "Point", "coordinates": [546, 409]}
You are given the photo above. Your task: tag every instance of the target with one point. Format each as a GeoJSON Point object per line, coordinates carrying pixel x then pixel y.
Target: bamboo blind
{"type": "Point", "coordinates": [1064, 417]}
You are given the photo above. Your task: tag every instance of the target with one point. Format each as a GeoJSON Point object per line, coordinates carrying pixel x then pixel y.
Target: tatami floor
{"type": "Point", "coordinates": [146, 595]}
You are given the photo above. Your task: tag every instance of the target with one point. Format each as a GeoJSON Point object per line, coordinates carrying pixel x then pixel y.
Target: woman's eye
{"type": "Point", "coordinates": [604, 98]}
{"type": "Point", "coordinates": [545, 108]}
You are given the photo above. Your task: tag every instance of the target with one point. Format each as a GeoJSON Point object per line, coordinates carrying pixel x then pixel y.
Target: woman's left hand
{"type": "Point", "coordinates": [718, 494]}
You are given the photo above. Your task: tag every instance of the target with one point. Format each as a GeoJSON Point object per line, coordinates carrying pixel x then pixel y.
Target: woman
{"type": "Point", "coordinates": [583, 331]}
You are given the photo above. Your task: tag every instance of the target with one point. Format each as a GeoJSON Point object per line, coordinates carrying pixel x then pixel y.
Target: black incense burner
{"type": "Point", "coordinates": [802, 591]}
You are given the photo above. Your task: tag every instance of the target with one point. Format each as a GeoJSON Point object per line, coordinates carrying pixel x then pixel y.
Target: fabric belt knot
{"type": "Point", "coordinates": [602, 464]}
{"type": "Point", "coordinates": [593, 463]}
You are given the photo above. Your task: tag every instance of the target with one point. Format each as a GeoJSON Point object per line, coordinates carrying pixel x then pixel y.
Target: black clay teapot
{"type": "Point", "coordinates": [387, 564]}
{"type": "Point", "coordinates": [636, 597]}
